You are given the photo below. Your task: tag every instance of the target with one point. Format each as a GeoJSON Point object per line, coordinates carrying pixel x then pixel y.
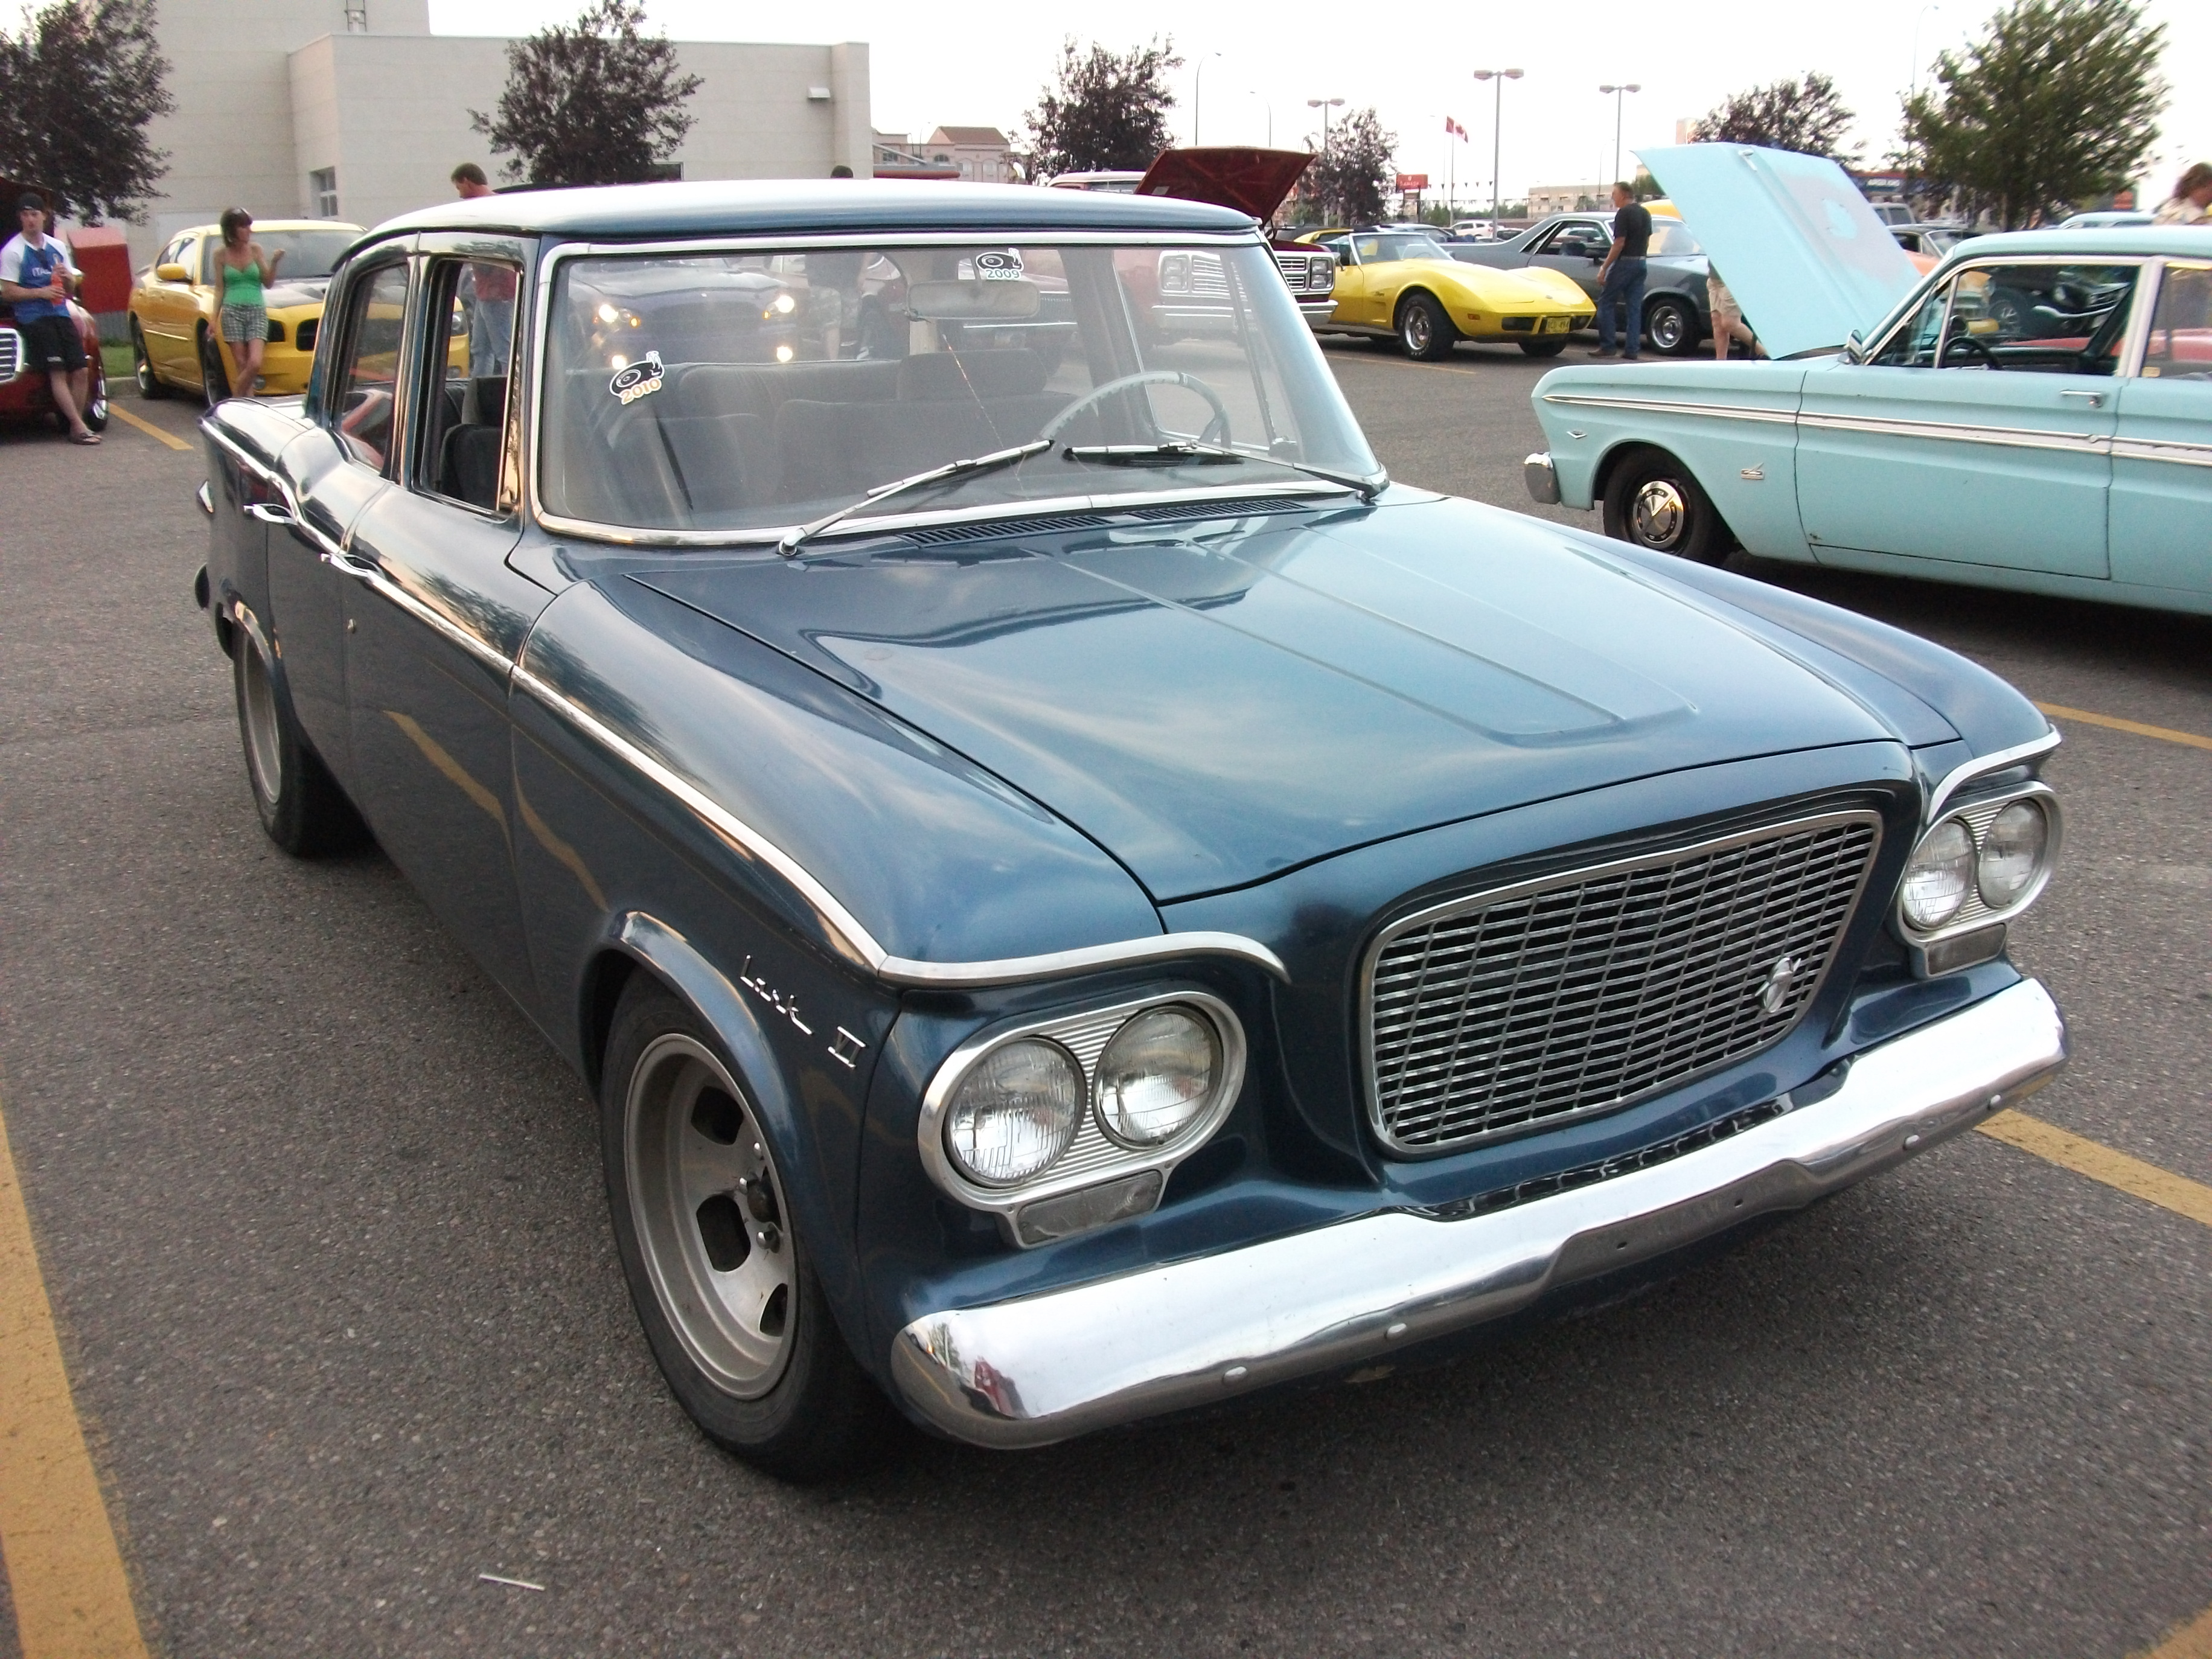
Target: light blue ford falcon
{"type": "Point", "coordinates": [2035, 413]}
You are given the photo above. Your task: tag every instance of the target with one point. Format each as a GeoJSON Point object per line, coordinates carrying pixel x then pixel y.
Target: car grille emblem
{"type": "Point", "coordinates": [1776, 990]}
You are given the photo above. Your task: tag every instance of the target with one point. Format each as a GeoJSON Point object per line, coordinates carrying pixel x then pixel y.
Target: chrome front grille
{"type": "Point", "coordinates": [11, 354]}
{"type": "Point", "coordinates": [1307, 273]}
{"type": "Point", "coordinates": [1578, 993]}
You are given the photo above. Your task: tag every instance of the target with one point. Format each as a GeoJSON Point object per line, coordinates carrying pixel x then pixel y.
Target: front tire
{"type": "Point", "coordinates": [720, 1279]}
{"type": "Point", "coordinates": [215, 380]}
{"type": "Point", "coordinates": [1423, 331]}
{"type": "Point", "coordinates": [300, 804]}
{"type": "Point", "coordinates": [150, 385]}
{"type": "Point", "coordinates": [1652, 501]}
{"type": "Point", "coordinates": [1672, 324]}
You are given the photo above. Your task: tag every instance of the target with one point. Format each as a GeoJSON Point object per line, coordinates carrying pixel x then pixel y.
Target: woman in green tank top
{"type": "Point", "coordinates": [244, 271]}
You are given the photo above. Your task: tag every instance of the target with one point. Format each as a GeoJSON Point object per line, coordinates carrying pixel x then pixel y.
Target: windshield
{"type": "Point", "coordinates": [306, 252]}
{"type": "Point", "coordinates": [1388, 248]}
{"type": "Point", "coordinates": [752, 391]}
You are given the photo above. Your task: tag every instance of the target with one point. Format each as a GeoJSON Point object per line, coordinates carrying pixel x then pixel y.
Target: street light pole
{"type": "Point", "coordinates": [1617, 100]}
{"type": "Point", "coordinates": [1197, 86]}
{"type": "Point", "coordinates": [1324, 105]}
{"type": "Point", "coordinates": [1496, 137]}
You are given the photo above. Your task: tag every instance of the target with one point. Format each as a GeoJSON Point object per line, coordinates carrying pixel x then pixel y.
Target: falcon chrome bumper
{"type": "Point", "coordinates": [1063, 1362]}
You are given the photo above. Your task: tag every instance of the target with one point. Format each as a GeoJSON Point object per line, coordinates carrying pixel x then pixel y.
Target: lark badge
{"type": "Point", "coordinates": [639, 380]}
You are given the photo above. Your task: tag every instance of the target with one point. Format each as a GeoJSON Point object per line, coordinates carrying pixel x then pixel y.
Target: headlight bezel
{"type": "Point", "coordinates": [1094, 1157]}
{"type": "Point", "coordinates": [1975, 815]}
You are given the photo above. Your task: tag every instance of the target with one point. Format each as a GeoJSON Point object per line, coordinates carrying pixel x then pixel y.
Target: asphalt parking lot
{"type": "Point", "coordinates": [319, 1220]}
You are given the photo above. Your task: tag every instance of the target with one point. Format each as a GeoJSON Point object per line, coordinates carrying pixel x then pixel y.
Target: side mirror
{"type": "Point", "coordinates": [172, 273]}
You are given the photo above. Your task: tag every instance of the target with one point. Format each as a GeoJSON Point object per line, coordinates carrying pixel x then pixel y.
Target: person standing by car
{"type": "Point", "coordinates": [245, 272]}
{"type": "Point", "coordinates": [487, 289]}
{"type": "Point", "coordinates": [37, 278]}
{"type": "Point", "coordinates": [1623, 274]}
{"type": "Point", "coordinates": [1728, 317]}
{"type": "Point", "coordinates": [2191, 201]}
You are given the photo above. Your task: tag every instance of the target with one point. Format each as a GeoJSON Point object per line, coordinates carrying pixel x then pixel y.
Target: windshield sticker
{"type": "Point", "coordinates": [639, 380]}
{"type": "Point", "coordinates": [999, 265]}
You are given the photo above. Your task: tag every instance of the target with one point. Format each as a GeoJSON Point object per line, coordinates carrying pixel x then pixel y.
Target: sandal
{"type": "Point", "coordinates": [84, 437]}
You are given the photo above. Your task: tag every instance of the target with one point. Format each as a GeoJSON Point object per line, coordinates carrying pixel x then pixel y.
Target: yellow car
{"type": "Point", "coordinates": [175, 339]}
{"type": "Point", "coordinates": [1402, 284]}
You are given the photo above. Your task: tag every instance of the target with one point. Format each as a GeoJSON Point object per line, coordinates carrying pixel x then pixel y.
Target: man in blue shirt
{"type": "Point", "coordinates": [37, 278]}
{"type": "Point", "coordinates": [1624, 273]}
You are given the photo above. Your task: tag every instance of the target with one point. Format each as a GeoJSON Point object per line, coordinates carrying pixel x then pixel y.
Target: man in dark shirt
{"type": "Point", "coordinates": [1623, 272]}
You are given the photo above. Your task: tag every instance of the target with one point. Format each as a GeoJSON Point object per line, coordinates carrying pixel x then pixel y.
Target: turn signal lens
{"type": "Point", "coordinates": [1941, 871]}
{"type": "Point", "coordinates": [1015, 1112]}
{"type": "Point", "coordinates": [1156, 1075]}
{"type": "Point", "coordinates": [2013, 853]}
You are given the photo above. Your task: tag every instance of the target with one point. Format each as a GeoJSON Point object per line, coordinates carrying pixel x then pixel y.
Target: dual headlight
{"type": "Point", "coordinates": [1980, 866]}
{"type": "Point", "coordinates": [1063, 1105]}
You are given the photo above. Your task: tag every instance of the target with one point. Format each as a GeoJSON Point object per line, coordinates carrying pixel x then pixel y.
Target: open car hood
{"type": "Point", "coordinates": [1793, 238]}
{"type": "Point", "coordinates": [1217, 704]}
{"type": "Point", "coordinates": [1253, 181]}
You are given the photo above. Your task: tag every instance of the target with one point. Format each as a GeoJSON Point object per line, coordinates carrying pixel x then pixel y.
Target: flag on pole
{"type": "Point", "coordinates": [1454, 127]}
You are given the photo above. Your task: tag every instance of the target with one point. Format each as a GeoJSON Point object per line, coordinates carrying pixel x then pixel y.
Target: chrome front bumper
{"type": "Point", "coordinates": [1063, 1362]}
{"type": "Point", "coordinates": [1541, 477]}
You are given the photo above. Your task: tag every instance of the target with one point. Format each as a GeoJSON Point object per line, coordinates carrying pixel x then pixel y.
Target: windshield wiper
{"type": "Point", "coordinates": [1205, 454]}
{"type": "Point", "coordinates": [991, 462]}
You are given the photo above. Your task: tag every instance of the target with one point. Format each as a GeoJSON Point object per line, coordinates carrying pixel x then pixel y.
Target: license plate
{"type": "Point", "coordinates": [1554, 324]}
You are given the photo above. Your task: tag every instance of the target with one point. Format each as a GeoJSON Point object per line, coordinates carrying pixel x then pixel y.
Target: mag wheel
{"type": "Point", "coordinates": [150, 385]}
{"type": "Point", "coordinates": [718, 1271]}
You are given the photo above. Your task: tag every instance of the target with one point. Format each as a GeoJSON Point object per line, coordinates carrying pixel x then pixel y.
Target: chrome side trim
{"type": "Point", "coordinates": [1063, 1362]}
{"type": "Point", "coordinates": [1575, 877]}
{"type": "Point", "coordinates": [1960, 776]}
{"type": "Point", "coordinates": [845, 930]}
{"type": "Point", "coordinates": [2162, 449]}
{"type": "Point", "coordinates": [373, 577]}
{"type": "Point", "coordinates": [1661, 406]}
{"type": "Point", "coordinates": [2009, 437]}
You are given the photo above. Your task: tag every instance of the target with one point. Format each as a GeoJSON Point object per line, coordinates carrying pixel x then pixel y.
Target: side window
{"type": "Point", "coordinates": [1914, 344]}
{"type": "Point", "coordinates": [361, 403]}
{"type": "Point", "coordinates": [2180, 343]}
{"type": "Point", "coordinates": [461, 446]}
{"type": "Point", "coordinates": [209, 246]}
{"type": "Point", "coordinates": [172, 254]}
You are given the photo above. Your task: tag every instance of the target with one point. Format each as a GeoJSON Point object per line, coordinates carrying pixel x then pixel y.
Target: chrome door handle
{"type": "Point", "coordinates": [2096, 398]}
{"type": "Point", "coordinates": [268, 513]}
{"type": "Point", "coordinates": [353, 565]}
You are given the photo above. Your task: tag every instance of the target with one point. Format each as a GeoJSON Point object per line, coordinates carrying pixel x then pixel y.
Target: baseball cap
{"type": "Point", "coordinates": [31, 199]}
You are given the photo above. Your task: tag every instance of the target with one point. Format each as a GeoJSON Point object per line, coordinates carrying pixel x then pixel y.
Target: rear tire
{"type": "Point", "coordinates": [1652, 501]}
{"type": "Point", "coordinates": [1423, 331]}
{"type": "Point", "coordinates": [150, 385]}
{"type": "Point", "coordinates": [722, 1283]}
{"type": "Point", "coordinates": [1543, 347]}
{"type": "Point", "coordinates": [1671, 322]}
{"type": "Point", "coordinates": [301, 804]}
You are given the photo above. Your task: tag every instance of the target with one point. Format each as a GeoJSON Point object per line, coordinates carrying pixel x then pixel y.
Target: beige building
{"type": "Point", "coordinates": [984, 155]}
{"type": "Point", "coordinates": [1569, 198]}
{"type": "Point", "coordinates": [322, 108]}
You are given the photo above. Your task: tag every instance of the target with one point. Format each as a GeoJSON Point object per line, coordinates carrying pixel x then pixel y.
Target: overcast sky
{"type": "Point", "coordinates": [982, 66]}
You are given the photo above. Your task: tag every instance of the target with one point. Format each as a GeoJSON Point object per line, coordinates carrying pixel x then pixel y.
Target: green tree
{"type": "Point", "coordinates": [594, 102]}
{"type": "Point", "coordinates": [1354, 171]}
{"type": "Point", "coordinates": [2056, 105]}
{"type": "Point", "coordinates": [78, 88]}
{"type": "Point", "coordinates": [1106, 111]}
{"type": "Point", "coordinates": [1806, 116]}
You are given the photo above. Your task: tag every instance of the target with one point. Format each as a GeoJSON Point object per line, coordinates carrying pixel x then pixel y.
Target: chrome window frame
{"type": "Point", "coordinates": [1949, 275]}
{"type": "Point", "coordinates": [552, 257]}
{"type": "Point", "coordinates": [1370, 1083]}
{"type": "Point", "coordinates": [424, 263]}
{"type": "Point", "coordinates": [1119, 1162]}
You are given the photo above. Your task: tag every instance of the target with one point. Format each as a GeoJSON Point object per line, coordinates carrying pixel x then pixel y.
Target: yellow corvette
{"type": "Point", "coordinates": [1402, 284]}
{"type": "Point", "coordinates": [175, 341]}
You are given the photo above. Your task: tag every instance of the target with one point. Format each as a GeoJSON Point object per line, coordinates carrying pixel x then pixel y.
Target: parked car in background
{"type": "Point", "coordinates": [2108, 219]}
{"type": "Point", "coordinates": [1076, 898]}
{"type": "Point", "coordinates": [27, 393]}
{"type": "Point", "coordinates": [2035, 414]}
{"type": "Point", "coordinates": [1677, 315]}
{"type": "Point", "coordinates": [1401, 284]}
{"type": "Point", "coordinates": [1929, 241]}
{"type": "Point", "coordinates": [174, 307]}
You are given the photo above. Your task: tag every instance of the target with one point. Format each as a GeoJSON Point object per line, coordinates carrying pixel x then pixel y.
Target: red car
{"type": "Point", "coordinates": [24, 390]}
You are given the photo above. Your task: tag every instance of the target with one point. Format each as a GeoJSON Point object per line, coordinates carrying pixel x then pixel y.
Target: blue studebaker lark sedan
{"type": "Point", "coordinates": [1077, 896]}
{"type": "Point", "coordinates": [2035, 413]}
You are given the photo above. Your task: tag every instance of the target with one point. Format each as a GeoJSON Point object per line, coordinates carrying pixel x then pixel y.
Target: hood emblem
{"type": "Point", "coordinates": [1776, 990]}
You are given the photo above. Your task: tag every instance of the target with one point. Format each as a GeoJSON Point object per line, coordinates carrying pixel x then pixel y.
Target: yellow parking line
{"type": "Point", "coordinates": [2165, 733]}
{"type": "Point", "coordinates": [146, 426]}
{"type": "Point", "coordinates": [65, 1573]}
{"type": "Point", "coordinates": [2099, 1163]}
{"type": "Point", "coordinates": [2190, 1641]}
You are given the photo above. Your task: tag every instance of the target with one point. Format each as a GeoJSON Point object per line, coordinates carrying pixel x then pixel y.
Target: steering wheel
{"type": "Point", "coordinates": [1968, 344]}
{"type": "Point", "coordinates": [1217, 429]}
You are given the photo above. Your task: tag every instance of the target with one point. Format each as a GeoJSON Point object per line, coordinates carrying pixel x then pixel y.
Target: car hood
{"type": "Point", "coordinates": [1492, 288]}
{"type": "Point", "coordinates": [308, 291]}
{"type": "Point", "coordinates": [1793, 238]}
{"type": "Point", "coordinates": [1253, 181]}
{"type": "Point", "coordinates": [1215, 704]}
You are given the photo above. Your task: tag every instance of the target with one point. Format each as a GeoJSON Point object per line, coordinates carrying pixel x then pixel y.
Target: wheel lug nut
{"type": "Point", "coordinates": [771, 1238]}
